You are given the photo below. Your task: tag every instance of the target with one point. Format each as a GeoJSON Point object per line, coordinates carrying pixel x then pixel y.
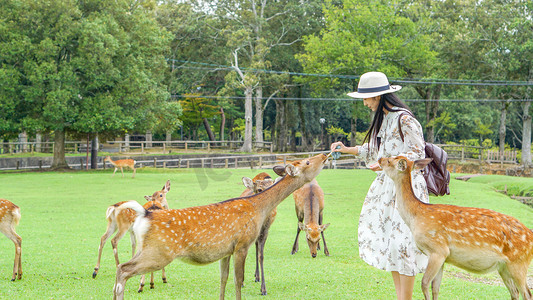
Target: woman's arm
{"type": "Point", "coordinates": [343, 148]}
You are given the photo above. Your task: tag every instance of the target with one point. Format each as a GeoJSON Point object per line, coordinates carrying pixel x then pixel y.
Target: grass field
{"type": "Point", "coordinates": [63, 218]}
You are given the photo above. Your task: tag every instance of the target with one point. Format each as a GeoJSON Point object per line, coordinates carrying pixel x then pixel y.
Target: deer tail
{"type": "Point", "coordinates": [141, 224]}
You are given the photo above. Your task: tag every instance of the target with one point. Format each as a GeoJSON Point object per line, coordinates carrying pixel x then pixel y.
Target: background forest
{"type": "Point", "coordinates": [257, 70]}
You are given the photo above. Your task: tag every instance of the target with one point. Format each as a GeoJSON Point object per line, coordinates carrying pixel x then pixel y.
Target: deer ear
{"type": "Point", "coordinates": [301, 226]}
{"type": "Point", "coordinates": [422, 163]}
{"type": "Point", "coordinates": [148, 198]}
{"type": "Point", "coordinates": [167, 186]}
{"type": "Point", "coordinates": [248, 183]}
{"type": "Point", "coordinates": [323, 227]}
{"type": "Point", "coordinates": [279, 170]}
{"type": "Point", "coordinates": [292, 170]}
{"type": "Point", "coordinates": [402, 164]}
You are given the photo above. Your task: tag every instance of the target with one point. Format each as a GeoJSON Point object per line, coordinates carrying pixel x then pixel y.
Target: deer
{"type": "Point", "coordinates": [309, 205]}
{"type": "Point", "coordinates": [9, 218]}
{"type": "Point", "coordinates": [215, 232]}
{"type": "Point", "coordinates": [121, 163]}
{"type": "Point", "coordinates": [477, 240]}
{"type": "Point", "coordinates": [253, 186]}
{"type": "Point", "coordinates": [122, 222]}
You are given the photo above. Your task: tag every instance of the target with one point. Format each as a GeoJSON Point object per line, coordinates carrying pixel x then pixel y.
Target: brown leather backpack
{"type": "Point", "coordinates": [435, 173]}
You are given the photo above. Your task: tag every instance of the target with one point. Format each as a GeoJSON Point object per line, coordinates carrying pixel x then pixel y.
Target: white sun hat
{"type": "Point", "coordinates": [373, 84]}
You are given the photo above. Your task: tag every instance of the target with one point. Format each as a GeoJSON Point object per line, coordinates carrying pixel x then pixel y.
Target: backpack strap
{"type": "Point", "coordinates": [400, 123]}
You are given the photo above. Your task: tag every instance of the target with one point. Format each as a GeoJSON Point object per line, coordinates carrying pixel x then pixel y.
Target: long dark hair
{"type": "Point", "coordinates": [387, 101]}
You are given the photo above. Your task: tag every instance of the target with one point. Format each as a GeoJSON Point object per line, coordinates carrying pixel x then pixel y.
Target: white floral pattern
{"type": "Point", "coordinates": [385, 241]}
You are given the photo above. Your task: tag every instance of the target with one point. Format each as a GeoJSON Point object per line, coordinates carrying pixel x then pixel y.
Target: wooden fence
{"type": "Point", "coordinates": [131, 147]}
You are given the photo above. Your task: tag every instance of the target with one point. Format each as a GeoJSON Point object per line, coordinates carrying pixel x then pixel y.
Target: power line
{"type": "Point", "coordinates": [471, 82]}
{"type": "Point", "coordinates": [348, 99]}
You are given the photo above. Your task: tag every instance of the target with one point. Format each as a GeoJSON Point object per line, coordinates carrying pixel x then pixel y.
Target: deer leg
{"type": "Point", "coordinates": [514, 278]}
{"type": "Point", "coordinates": [111, 228]}
{"type": "Point", "coordinates": [152, 280]}
{"type": "Point", "coordinates": [435, 263]}
{"type": "Point", "coordinates": [163, 275]}
{"type": "Point", "coordinates": [435, 284]}
{"type": "Point", "coordinates": [115, 171]}
{"type": "Point", "coordinates": [224, 272]}
{"type": "Point", "coordinates": [114, 242]}
{"type": "Point", "coordinates": [239, 258]}
{"type": "Point", "coordinates": [142, 263]}
{"type": "Point", "coordinates": [133, 173]}
{"type": "Point", "coordinates": [295, 245]}
{"type": "Point", "coordinates": [262, 242]}
{"type": "Point", "coordinates": [133, 243]}
{"type": "Point", "coordinates": [257, 279]}
{"type": "Point", "coordinates": [122, 171]}
{"type": "Point", "coordinates": [141, 284]}
{"type": "Point", "coordinates": [17, 240]}
{"type": "Point", "coordinates": [326, 251]}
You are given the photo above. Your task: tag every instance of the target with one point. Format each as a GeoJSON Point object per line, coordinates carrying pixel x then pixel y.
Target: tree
{"type": "Point", "coordinates": [89, 67]}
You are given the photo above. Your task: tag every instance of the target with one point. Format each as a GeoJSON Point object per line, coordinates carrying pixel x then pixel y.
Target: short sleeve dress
{"type": "Point", "coordinates": [385, 241]}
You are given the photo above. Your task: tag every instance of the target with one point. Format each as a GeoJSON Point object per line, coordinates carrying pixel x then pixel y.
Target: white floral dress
{"type": "Point", "coordinates": [385, 241]}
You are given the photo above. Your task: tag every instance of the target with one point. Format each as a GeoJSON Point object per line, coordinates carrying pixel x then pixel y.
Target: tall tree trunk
{"type": "Point", "coordinates": [247, 145]}
{"type": "Point", "coordinates": [353, 129]}
{"type": "Point", "coordinates": [281, 141]}
{"type": "Point", "coordinates": [222, 123]}
{"type": "Point", "coordinates": [59, 161]}
{"type": "Point", "coordinates": [259, 115]}
{"type": "Point", "coordinates": [303, 126]}
{"type": "Point", "coordinates": [526, 135]}
{"type": "Point", "coordinates": [210, 133]}
{"type": "Point", "coordinates": [501, 131]}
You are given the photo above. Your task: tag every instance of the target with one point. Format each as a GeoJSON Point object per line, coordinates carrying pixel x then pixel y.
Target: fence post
{"type": "Point", "coordinates": [40, 164]}
{"type": "Point", "coordinates": [155, 162]}
{"type": "Point", "coordinates": [18, 164]}
{"type": "Point", "coordinates": [226, 163]}
{"type": "Point", "coordinates": [236, 159]}
{"type": "Point", "coordinates": [208, 146]}
{"type": "Point", "coordinates": [179, 163]}
{"type": "Point", "coordinates": [463, 153]}
{"type": "Point", "coordinates": [212, 163]}
{"type": "Point", "coordinates": [284, 160]}
{"type": "Point", "coordinates": [260, 162]}
{"type": "Point", "coordinates": [81, 163]}
{"type": "Point", "coordinates": [188, 164]}
{"type": "Point", "coordinates": [164, 165]}
{"type": "Point", "coordinates": [185, 145]}
{"type": "Point", "coordinates": [202, 163]}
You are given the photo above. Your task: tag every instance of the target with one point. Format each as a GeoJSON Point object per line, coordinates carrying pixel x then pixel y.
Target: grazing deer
{"type": "Point", "coordinates": [205, 234]}
{"type": "Point", "coordinates": [123, 220]}
{"type": "Point", "coordinates": [475, 239]}
{"type": "Point", "coordinates": [309, 204]}
{"type": "Point", "coordinates": [9, 218]}
{"type": "Point", "coordinates": [121, 163]}
{"type": "Point", "coordinates": [259, 183]}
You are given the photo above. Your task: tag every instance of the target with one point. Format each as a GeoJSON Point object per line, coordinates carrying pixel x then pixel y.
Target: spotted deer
{"type": "Point", "coordinates": [205, 234]}
{"type": "Point", "coordinates": [9, 218]}
{"type": "Point", "coordinates": [309, 204]}
{"type": "Point", "coordinates": [259, 183]}
{"type": "Point", "coordinates": [121, 163]}
{"type": "Point", "coordinates": [475, 239]}
{"type": "Point", "coordinates": [122, 222]}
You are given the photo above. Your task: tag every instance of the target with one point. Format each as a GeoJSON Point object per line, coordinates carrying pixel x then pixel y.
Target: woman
{"type": "Point", "coordinates": [385, 241]}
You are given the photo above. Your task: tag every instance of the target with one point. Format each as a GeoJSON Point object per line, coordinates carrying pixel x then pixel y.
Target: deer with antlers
{"type": "Point", "coordinates": [9, 218]}
{"type": "Point", "coordinates": [475, 239]}
{"type": "Point", "coordinates": [121, 163]}
{"type": "Point", "coordinates": [309, 205]}
{"type": "Point", "coordinates": [122, 221]}
{"type": "Point", "coordinates": [259, 183]}
{"type": "Point", "coordinates": [205, 234]}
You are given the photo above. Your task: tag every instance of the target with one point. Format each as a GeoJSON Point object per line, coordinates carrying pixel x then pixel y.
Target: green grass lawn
{"type": "Point", "coordinates": [63, 218]}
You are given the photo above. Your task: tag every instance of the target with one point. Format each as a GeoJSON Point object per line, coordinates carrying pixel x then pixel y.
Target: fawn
{"type": "Point", "coordinates": [121, 163]}
{"type": "Point", "coordinates": [256, 185]}
{"type": "Point", "coordinates": [475, 239]}
{"type": "Point", "coordinates": [9, 218]}
{"type": "Point", "coordinates": [122, 221]}
{"type": "Point", "coordinates": [309, 204]}
{"type": "Point", "coordinates": [205, 234]}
